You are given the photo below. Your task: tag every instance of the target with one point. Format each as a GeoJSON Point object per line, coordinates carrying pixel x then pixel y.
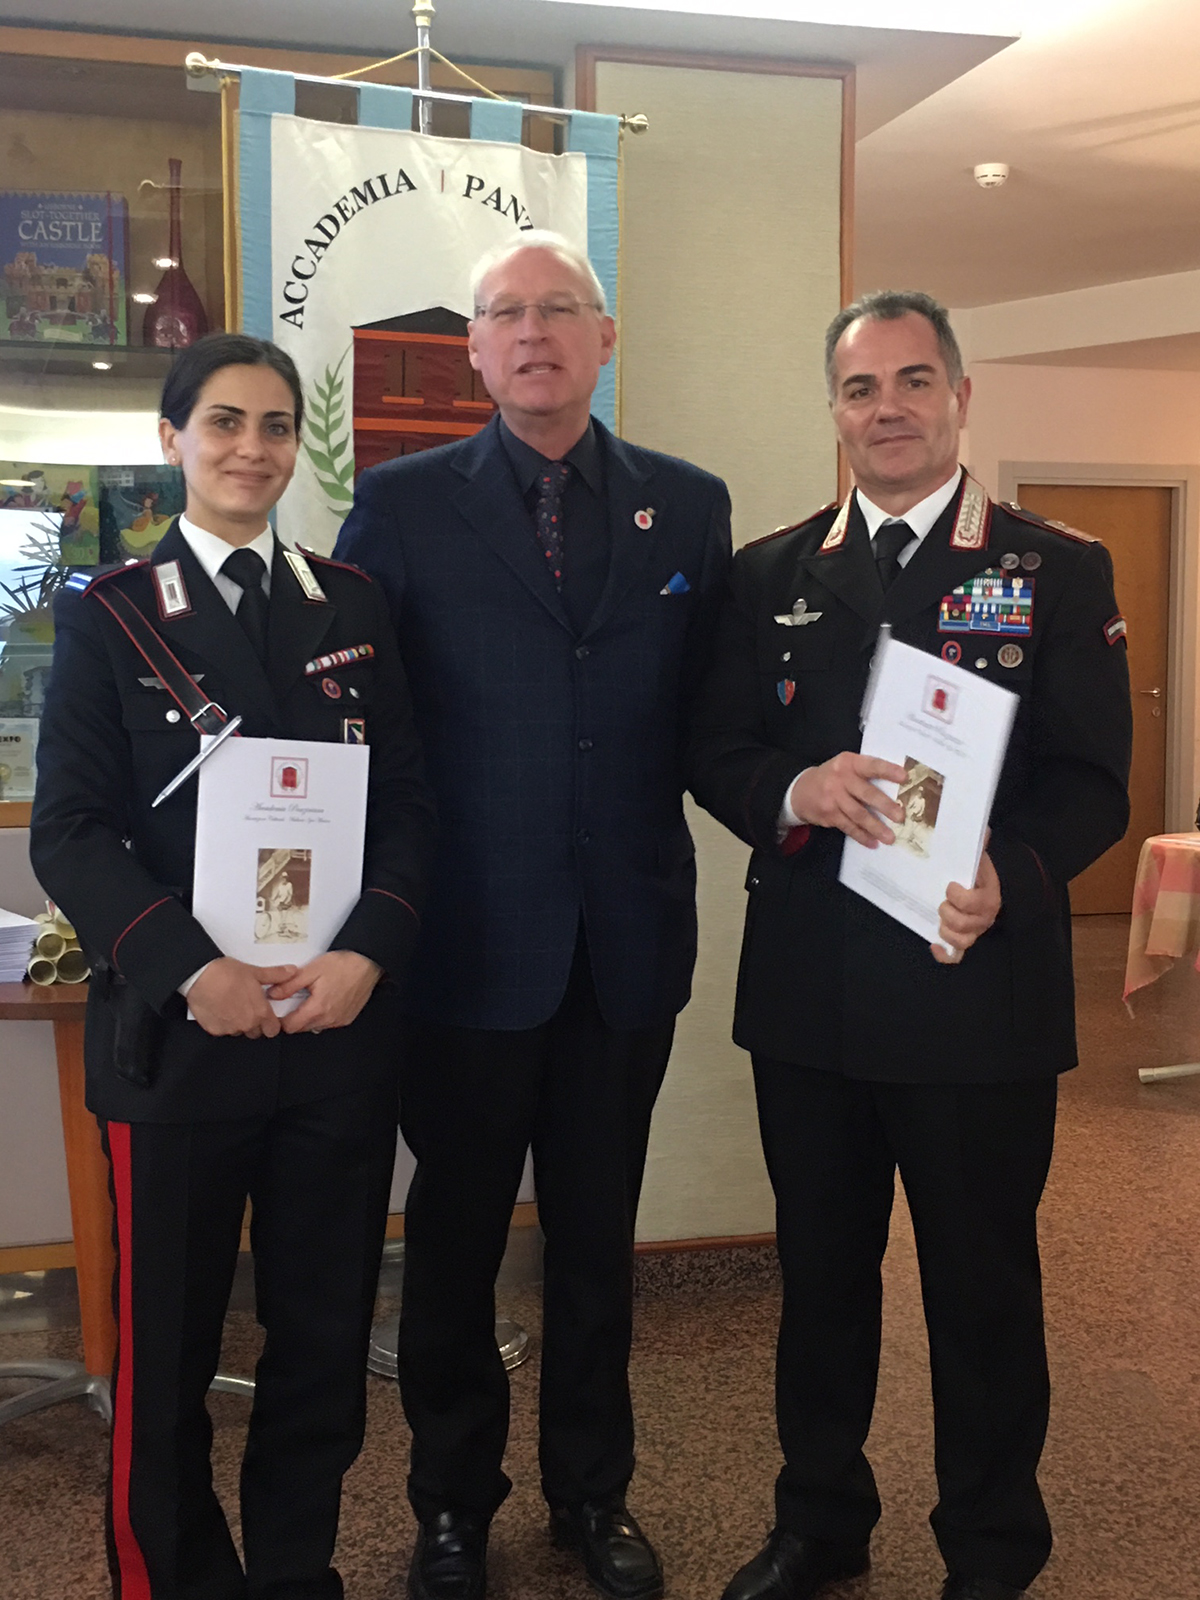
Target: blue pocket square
{"type": "Point", "coordinates": [677, 585]}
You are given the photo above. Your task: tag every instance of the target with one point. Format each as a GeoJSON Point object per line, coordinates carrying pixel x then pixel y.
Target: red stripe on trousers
{"type": "Point", "coordinates": [135, 1580]}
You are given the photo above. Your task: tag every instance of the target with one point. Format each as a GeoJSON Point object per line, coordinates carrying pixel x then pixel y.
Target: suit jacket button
{"type": "Point", "coordinates": [172, 715]}
{"type": "Point", "coordinates": [585, 744]}
{"type": "Point", "coordinates": [582, 652]}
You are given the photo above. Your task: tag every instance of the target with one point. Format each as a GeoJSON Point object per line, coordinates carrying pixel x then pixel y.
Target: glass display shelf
{"type": "Point", "coordinates": [69, 358]}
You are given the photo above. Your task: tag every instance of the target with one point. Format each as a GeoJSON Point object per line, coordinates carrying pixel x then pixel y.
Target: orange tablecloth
{"type": "Point", "coordinates": [1166, 908]}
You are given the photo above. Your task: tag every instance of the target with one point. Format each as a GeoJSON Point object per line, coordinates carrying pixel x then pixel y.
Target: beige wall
{"type": "Point", "coordinates": [729, 276]}
{"type": "Point", "coordinates": [1100, 414]}
{"type": "Point", "coordinates": [730, 273]}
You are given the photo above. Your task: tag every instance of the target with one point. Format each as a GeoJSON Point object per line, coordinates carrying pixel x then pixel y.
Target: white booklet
{"type": "Point", "coordinates": [949, 730]}
{"type": "Point", "coordinates": [280, 826]}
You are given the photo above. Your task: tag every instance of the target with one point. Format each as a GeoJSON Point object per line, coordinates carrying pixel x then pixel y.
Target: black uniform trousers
{"type": "Point", "coordinates": [973, 1159]}
{"type": "Point", "coordinates": [318, 1176]}
{"type": "Point", "coordinates": [472, 1103]}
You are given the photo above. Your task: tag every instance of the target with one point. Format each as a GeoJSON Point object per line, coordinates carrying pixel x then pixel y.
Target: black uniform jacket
{"type": "Point", "coordinates": [122, 872]}
{"type": "Point", "coordinates": [827, 979]}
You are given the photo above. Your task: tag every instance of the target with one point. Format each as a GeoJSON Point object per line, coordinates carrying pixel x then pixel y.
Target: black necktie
{"type": "Point", "coordinates": [247, 569]}
{"type": "Point", "coordinates": [548, 516]}
{"type": "Point", "coordinates": [890, 538]}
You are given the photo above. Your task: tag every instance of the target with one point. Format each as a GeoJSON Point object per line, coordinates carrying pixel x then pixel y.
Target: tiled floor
{"type": "Point", "coordinates": [1121, 1231]}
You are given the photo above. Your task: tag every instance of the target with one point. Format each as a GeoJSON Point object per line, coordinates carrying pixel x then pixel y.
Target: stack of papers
{"type": "Point", "coordinates": [16, 944]}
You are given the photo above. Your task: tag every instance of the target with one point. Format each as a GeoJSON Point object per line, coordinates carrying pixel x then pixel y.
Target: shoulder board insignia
{"type": "Point", "coordinates": [82, 582]}
{"type": "Point", "coordinates": [171, 591]}
{"type": "Point", "coordinates": [328, 561]}
{"type": "Point", "coordinates": [305, 577]}
{"type": "Point", "coordinates": [789, 527]}
{"type": "Point", "coordinates": [1050, 522]}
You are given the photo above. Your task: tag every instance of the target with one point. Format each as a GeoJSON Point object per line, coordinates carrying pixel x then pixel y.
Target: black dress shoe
{"type": "Point", "coordinates": [617, 1556]}
{"type": "Point", "coordinates": [794, 1567]}
{"type": "Point", "coordinates": [450, 1561]}
{"type": "Point", "coordinates": [957, 1587]}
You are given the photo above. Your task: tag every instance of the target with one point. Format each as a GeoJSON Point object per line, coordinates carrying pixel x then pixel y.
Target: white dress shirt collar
{"type": "Point", "coordinates": [210, 550]}
{"type": "Point", "coordinates": [920, 517]}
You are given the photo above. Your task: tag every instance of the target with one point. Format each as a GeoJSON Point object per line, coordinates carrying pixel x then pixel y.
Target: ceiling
{"type": "Point", "coordinates": [1180, 352]}
{"type": "Point", "coordinates": [1100, 122]}
{"type": "Point", "coordinates": [896, 67]}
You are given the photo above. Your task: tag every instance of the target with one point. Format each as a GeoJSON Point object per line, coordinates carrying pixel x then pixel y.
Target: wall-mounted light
{"type": "Point", "coordinates": [102, 366]}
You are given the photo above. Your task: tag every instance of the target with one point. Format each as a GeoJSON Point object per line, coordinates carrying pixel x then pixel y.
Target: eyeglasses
{"type": "Point", "coordinates": [551, 312]}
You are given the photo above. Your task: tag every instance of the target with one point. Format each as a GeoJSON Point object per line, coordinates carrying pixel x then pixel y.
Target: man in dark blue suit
{"type": "Point", "coordinates": [554, 593]}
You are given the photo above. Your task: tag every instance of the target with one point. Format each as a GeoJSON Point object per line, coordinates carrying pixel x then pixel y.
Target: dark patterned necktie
{"type": "Point", "coordinates": [548, 516]}
{"type": "Point", "coordinates": [890, 539]}
{"type": "Point", "coordinates": [247, 569]}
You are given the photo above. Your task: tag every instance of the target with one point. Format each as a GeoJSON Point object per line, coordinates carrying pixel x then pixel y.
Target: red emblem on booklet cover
{"type": "Point", "coordinates": [289, 778]}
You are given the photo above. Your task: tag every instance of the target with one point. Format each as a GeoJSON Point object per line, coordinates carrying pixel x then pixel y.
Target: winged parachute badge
{"type": "Point", "coordinates": [799, 616]}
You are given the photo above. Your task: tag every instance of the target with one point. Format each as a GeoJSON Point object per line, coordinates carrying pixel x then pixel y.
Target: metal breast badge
{"type": "Point", "coordinates": [799, 616]}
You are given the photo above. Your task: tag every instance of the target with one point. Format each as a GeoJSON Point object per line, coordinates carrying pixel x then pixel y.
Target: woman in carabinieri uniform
{"type": "Point", "coordinates": [205, 1097]}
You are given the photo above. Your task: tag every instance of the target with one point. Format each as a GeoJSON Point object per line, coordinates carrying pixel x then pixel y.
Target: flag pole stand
{"type": "Point", "coordinates": [511, 1339]}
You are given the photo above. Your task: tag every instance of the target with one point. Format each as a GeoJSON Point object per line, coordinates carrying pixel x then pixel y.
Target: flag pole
{"type": "Point", "coordinates": [423, 14]}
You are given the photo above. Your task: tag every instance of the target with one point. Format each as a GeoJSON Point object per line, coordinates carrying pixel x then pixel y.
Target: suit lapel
{"type": "Point", "coordinates": [849, 569]}
{"type": "Point", "coordinates": [211, 631]}
{"type": "Point", "coordinates": [492, 505]}
{"type": "Point", "coordinates": [629, 489]}
{"type": "Point", "coordinates": [295, 625]}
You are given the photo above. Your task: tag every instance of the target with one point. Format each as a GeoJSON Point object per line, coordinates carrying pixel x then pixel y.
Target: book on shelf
{"type": "Point", "coordinates": [64, 259]}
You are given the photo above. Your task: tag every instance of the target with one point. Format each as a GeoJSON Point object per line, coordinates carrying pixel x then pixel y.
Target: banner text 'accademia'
{"type": "Point", "coordinates": [343, 211]}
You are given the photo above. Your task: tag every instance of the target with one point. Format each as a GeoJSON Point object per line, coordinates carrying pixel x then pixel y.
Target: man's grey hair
{"type": "Point", "coordinates": [889, 305]}
{"type": "Point", "coordinates": [539, 239]}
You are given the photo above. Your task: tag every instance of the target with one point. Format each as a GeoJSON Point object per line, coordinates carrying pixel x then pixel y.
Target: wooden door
{"type": "Point", "coordinates": [1135, 524]}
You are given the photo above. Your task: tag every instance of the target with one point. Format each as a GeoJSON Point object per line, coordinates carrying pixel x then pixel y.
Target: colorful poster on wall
{"type": "Point", "coordinates": [136, 508]}
{"type": "Point", "coordinates": [68, 531]}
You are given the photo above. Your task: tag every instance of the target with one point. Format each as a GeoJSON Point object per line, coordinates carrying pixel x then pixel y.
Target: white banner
{"type": "Point", "coordinates": [369, 224]}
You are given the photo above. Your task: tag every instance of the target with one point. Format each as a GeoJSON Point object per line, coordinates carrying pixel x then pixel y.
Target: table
{"type": "Point", "coordinates": [91, 1211]}
{"type": "Point", "coordinates": [1165, 923]}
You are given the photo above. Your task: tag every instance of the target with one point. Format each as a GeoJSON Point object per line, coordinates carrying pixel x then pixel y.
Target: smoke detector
{"type": "Point", "coordinates": [991, 174]}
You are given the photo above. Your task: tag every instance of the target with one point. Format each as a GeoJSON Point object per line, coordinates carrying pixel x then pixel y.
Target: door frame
{"type": "Point", "coordinates": [1183, 635]}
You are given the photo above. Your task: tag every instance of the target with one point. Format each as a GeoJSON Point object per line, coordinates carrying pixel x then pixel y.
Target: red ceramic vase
{"type": "Point", "coordinates": [177, 316]}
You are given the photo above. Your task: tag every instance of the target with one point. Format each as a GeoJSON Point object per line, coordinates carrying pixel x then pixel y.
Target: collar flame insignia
{"type": "Point", "coordinates": [836, 537]}
{"type": "Point", "coordinates": [799, 616]}
{"type": "Point", "coordinates": [305, 577]}
{"type": "Point", "coordinates": [170, 590]}
{"type": "Point", "coordinates": [974, 517]}
{"type": "Point", "coordinates": [971, 525]}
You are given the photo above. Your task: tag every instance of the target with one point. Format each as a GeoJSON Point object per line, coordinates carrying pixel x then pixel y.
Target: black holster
{"type": "Point", "coordinates": [137, 1028]}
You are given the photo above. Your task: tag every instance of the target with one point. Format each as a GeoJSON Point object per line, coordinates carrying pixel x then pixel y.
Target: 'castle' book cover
{"type": "Point", "coordinates": [64, 262]}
